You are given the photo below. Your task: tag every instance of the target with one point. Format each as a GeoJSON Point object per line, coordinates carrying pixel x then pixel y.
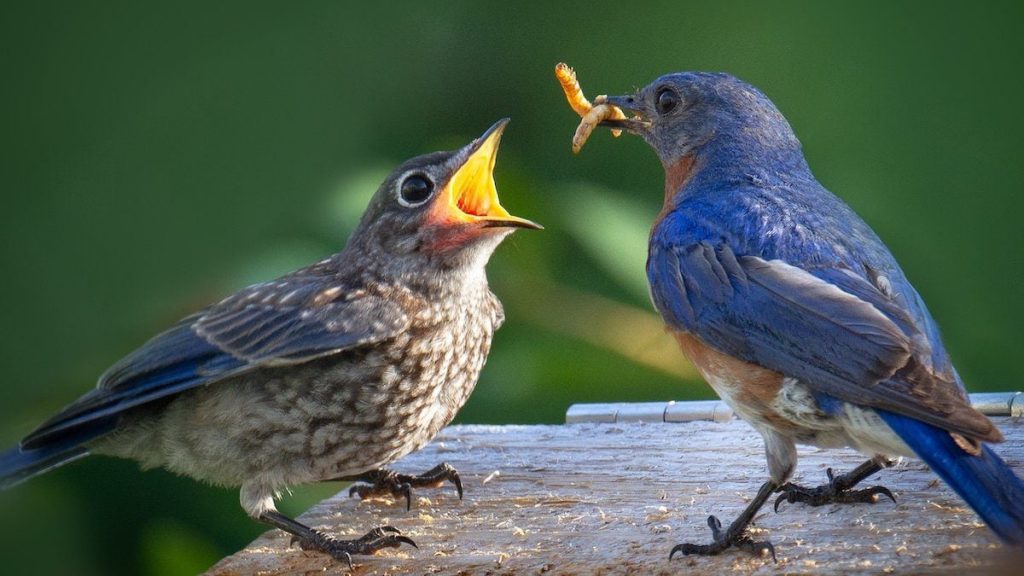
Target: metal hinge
{"type": "Point", "coordinates": [988, 403]}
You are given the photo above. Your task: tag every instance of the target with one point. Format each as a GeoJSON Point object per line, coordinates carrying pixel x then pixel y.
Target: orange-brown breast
{"type": "Point", "coordinates": [750, 389]}
{"type": "Point", "coordinates": [676, 175]}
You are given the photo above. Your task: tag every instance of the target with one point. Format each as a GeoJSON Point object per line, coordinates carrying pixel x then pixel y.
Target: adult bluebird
{"type": "Point", "coordinates": [796, 313]}
{"type": "Point", "coordinates": [328, 373]}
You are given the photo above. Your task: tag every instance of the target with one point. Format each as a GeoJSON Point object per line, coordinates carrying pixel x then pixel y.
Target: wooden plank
{"type": "Point", "coordinates": [613, 498]}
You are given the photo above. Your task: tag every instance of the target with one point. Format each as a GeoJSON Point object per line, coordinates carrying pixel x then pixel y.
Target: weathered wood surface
{"type": "Point", "coordinates": [614, 498]}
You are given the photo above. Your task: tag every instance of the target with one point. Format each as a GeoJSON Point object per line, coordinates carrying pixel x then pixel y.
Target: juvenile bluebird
{"type": "Point", "coordinates": [328, 373]}
{"type": "Point", "coordinates": [795, 312]}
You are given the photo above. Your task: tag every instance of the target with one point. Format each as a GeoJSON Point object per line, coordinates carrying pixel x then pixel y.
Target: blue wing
{"type": "Point", "coordinates": [828, 326]}
{"type": "Point", "coordinates": [291, 320]}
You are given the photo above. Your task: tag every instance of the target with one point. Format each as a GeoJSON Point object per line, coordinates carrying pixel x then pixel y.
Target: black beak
{"type": "Point", "coordinates": [627, 104]}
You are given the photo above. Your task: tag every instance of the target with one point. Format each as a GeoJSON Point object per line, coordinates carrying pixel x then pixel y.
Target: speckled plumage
{"type": "Point", "coordinates": [334, 416]}
{"type": "Point", "coordinates": [330, 372]}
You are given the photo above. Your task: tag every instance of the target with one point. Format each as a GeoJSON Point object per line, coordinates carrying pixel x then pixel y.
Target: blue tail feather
{"type": "Point", "coordinates": [18, 464]}
{"type": "Point", "coordinates": [983, 481]}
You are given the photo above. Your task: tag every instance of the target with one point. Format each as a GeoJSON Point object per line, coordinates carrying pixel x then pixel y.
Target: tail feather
{"type": "Point", "coordinates": [984, 481]}
{"type": "Point", "coordinates": [17, 466]}
{"type": "Point", "coordinates": [19, 463]}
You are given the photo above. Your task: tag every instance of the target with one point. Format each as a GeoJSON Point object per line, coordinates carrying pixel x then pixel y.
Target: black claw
{"type": "Point", "coordinates": [406, 540]}
{"type": "Point", "coordinates": [683, 549]}
{"type": "Point", "coordinates": [735, 536]}
{"type": "Point", "coordinates": [458, 482]}
{"type": "Point", "coordinates": [716, 526]}
{"type": "Point", "coordinates": [342, 550]}
{"type": "Point", "coordinates": [407, 490]}
{"type": "Point", "coordinates": [838, 490]}
{"type": "Point", "coordinates": [830, 493]}
{"type": "Point", "coordinates": [786, 497]}
{"type": "Point", "coordinates": [385, 481]}
{"type": "Point", "coordinates": [348, 559]}
{"type": "Point", "coordinates": [885, 491]}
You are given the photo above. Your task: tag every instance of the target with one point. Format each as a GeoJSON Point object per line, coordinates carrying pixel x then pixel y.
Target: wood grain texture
{"type": "Point", "coordinates": [615, 498]}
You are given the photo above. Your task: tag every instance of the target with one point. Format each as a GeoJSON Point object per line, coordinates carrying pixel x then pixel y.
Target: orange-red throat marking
{"type": "Point", "coordinates": [676, 176]}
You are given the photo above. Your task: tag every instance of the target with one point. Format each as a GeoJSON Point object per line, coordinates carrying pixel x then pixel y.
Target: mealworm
{"type": "Point", "coordinates": [573, 93]}
{"type": "Point", "coordinates": [590, 115]}
{"type": "Point", "coordinates": [590, 120]}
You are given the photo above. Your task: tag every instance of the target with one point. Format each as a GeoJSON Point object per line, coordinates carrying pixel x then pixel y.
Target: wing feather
{"type": "Point", "coordinates": [832, 329]}
{"type": "Point", "coordinates": [287, 321]}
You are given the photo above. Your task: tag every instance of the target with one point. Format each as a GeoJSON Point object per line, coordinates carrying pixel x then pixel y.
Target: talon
{"type": "Point", "coordinates": [838, 490]}
{"type": "Point", "coordinates": [735, 536]}
{"type": "Point", "coordinates": [342, 550]}
{"type": "Point", "coordinates": [779, 500]}
{"type": "Point", "coordinates": [406, 540]}
{"type": "Point", "coordinates": [407, 490]}
{"type": "Point", "coordinates": [869, 495]}
{"type": "Point", "coordinates": [885, 491]}
{"type": "Point", "coordinates": [716, 527]}
{"type": "Point", "coordinates": [457, 480]}
{"type": "Point", "coordinates": [383, 481]}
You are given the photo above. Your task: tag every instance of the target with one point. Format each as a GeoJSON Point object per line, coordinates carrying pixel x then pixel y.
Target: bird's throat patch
{"type": "Point", "coordinates": [677, 175]}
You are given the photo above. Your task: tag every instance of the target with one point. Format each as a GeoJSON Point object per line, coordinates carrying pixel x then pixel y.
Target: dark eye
{"type": "Point", "coordinates": [416, 189]}
{"type": "Point", "coordinates": [667, 101]}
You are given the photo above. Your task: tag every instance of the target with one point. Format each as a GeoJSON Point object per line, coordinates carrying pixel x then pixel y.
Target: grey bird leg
{"type": "Point", "coordinates": [384, 481]}
{"type": "Point", "coordinates": [310, 539]}
{"type": "Point", "coordinates": [838, 490]}
{"type": "Point", "coordinates": [736, 535]}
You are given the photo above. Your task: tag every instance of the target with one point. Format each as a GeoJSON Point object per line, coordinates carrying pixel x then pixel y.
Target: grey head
{"type": "Point", "coordinates": [438, 211]}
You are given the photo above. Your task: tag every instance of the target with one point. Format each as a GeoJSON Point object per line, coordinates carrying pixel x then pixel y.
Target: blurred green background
{"type": "Point", "coordinates": [157, 157]}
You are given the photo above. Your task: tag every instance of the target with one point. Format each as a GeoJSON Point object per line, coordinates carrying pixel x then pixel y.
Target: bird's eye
{"type": "Point", "coordinates": [667, 101]}
{"type": "Point", "coordinates": [415, 190]}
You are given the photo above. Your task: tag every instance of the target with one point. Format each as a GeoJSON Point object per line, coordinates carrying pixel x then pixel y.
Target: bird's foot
{"type": "Point", "coordinates": [837, 491]}
{"type": "Point", "coordinates": [342, 550]}
{"type": "Point", "coordinates": [736, 536]}
{"type": "Point", "coordinates": [388, 482]}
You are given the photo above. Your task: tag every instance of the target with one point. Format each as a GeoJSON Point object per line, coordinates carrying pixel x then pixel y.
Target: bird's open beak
{"type": "Point", "coordinates": [471, 194]}
{"type": "Point", "coordinates": [637, 125]}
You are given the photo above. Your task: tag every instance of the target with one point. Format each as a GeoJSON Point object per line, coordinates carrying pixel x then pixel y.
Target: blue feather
{"type": "Point", "coordinates": [757, 260]}
{"type": "Point", "coordinates": [18, 464]}
{"type": "Point", "coordinates": [248, 330]}
{"type": "Point", "coordinates": [983, 481]}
